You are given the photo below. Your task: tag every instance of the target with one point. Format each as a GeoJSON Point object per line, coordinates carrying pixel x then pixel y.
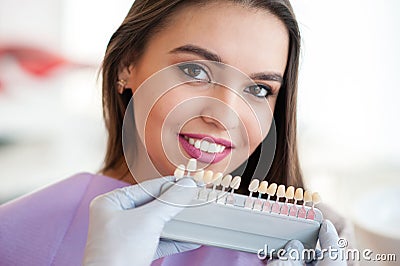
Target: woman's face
{"type": "Point", "coordinates": [189, 105]}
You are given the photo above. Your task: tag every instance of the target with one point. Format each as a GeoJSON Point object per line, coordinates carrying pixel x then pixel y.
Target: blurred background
{"type": "Point", "coordinates": [50, 101]}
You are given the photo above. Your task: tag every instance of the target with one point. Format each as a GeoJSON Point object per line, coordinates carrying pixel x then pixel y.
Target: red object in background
{"type": "Point", "coordinates": [35, 61]}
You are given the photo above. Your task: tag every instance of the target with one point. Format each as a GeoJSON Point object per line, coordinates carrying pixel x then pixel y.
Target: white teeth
{"type": "Point", "coordinates": [197, 144]}
{"type": "Point", "coordinates": [213, 148]}
{"type": "Point", "coordinates": [206, 146]}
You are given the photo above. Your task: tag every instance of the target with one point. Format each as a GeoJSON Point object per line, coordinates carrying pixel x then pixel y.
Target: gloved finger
{"type": "Point", "coordinates": [329, 239]}
{"type": "Point", "coordinates": [328, 236]}
{"type": "Point", "coordinates": [291, 254]}
{"type": "Point", "coordinates": [146, 191]}
{"type": "Point", "coordinates": [169, 247]}
{"type": "Point", "coordinates": [278, 262]}
{"type": "Point", "coordinates": [132, 196]}
{"type": "Point", "coordinates": [174, 199]}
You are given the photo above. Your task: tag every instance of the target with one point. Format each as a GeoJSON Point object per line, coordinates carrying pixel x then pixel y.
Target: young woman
{"type": "Point", "coordinates": [212, 80]}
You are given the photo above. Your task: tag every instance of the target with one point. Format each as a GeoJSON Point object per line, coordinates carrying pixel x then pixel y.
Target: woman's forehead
{"type": "Point", "coordinates": [249, 39]}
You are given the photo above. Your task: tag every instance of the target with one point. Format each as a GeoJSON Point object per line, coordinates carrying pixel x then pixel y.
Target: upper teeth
{"type": "Point", "coordinates": [206, 146]}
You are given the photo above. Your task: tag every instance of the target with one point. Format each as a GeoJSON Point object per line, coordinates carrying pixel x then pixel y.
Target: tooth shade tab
{"type": "Point", "coordinates": [254, 185]}
{"type": "Point", "coordinates": [226, 181]}
{"type": "Point", "coordinates": [262, 189]}
{"type": "Point", "coordinates": [307, 196]}
{"type": "Point", "coordinates": [198, 176]}
{"type": "Point", "coordinates": [298, 195]}
{"type": "Point", "coordinates": [316, 198]}
{"type": "Point", "coordinates": [217, 179]}
{"type": "Point", "coordinates": [192, 165]}
{"type": "Point", "coordinates": [272, 189]}
{"type": "Point", "coordinates": [208, 177]}
{"type": "Point", "coordinates": [235, 183]}
{"type": "Point", "coordinates": [179, 171]}
{"type": "Point", "coordinates": [281, 191]}
{"type": "Point", "coordinates": [290, 192]}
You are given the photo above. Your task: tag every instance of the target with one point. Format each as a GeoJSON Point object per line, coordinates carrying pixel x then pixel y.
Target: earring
{"type": "Point", "coordinates": [121, 86]}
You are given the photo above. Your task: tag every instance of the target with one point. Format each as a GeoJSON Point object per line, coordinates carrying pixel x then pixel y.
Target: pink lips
{"type": "Point", "coordinates": [202, 155]}
{"type": "Point", "coordinates": [220, 141]}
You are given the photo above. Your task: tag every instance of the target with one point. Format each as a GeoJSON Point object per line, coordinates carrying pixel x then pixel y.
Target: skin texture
{"type": "Point", "coordinates": [246, 39]}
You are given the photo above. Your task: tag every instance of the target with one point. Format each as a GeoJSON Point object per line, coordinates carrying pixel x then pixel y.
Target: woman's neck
{"type": "Point", "coordinates": [141, 169]}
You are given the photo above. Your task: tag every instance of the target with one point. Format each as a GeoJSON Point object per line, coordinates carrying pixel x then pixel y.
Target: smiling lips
{"type": "Point", "coordinates": [205, 148]}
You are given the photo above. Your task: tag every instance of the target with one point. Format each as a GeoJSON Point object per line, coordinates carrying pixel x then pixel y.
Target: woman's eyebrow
{"type": "Point", "coordinates": [197, 50]}
{"type": "Point", "coordinates": [267, 76]}
{"type": "Point", "coordinates": [208, 55]}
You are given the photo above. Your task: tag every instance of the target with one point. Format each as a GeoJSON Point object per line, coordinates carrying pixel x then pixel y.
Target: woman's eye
{"type": "Point", "coordinates": [195, 71]}
{"type": "Point", "coordinates": [258, 90]}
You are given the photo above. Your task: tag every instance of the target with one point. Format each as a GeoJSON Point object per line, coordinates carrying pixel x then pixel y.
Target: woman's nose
{"type": "Point", "coordinates": [221, 108]}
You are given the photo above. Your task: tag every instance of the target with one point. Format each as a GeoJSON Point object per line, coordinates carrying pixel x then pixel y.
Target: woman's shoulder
{"type": "Point", "coordinates": [43, 226]}
{"type": "Point", "coordinates": [68, 191]}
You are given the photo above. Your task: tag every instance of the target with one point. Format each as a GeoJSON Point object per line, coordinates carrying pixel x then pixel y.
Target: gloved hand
{"type": "Point", "coordinates": [328, 239]}
{"type": "Point", "coordinates": [122, 233]}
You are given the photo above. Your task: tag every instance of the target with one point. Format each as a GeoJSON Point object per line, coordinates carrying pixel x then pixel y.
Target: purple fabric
{"type": "Point", "coordinates": [49, 227]}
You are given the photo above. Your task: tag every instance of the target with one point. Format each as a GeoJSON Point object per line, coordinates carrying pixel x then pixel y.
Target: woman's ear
{"type": "Point", "coordinates": [125, 78]}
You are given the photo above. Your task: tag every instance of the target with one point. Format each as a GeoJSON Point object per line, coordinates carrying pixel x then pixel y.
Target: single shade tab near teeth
{"type": "Point", "coordinates": [207, 178]}
{"type": "Point", "coordinates": [262, 189]}
{"type": "Point", "coordinates": [315, 200]}
{"type": "Point", "coordinates": [298, 195]}
{"type": "Point", "coordinates": [179, 172]}
{"type": "Point", "coordinates": [235, 183]}
{"type": "Point", "coordinates": [288, 195]}
{"type": "Point", "coordinates": [217, 179]}
{"type": "Point", "coordinates": [270, 192]}
{"type": "Point", "coordinates": [226, 181]}
{"type": "Point", "coordinates": [307, 197]}
{"type": "Point", "coordinates": [253, 187]}
{"type": "Point", "coordinates": [198, 177]}
{"type": "Point", "coordinates": [280, 193]}
{"type": "Point", "coordinates": [191, 165]}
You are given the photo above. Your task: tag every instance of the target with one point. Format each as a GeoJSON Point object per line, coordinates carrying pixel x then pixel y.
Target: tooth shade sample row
{"type": "Point", "coordinates": [205, 145]}
{"type": "Point", "coordinates": [281, 192]}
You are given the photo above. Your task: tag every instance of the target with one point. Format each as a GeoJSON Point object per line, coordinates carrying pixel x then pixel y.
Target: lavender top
{"type": "Point", "coordinates": [49, 227]}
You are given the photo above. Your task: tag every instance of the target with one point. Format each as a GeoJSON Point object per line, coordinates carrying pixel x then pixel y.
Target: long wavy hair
{"type": "Point", "coordinates": [145, 18]}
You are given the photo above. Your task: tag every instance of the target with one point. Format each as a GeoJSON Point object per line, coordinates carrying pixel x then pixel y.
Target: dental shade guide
{"type": "Point", "coordinates": [222, 218]}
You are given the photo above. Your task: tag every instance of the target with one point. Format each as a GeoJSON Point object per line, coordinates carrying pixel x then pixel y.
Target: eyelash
{"type": "Point", "coordinates": [267, 91]}
{"type": "Point", "coordinates": [188, 67]}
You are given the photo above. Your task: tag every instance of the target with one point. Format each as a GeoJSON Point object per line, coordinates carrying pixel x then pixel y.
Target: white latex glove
{"type": "Point", "coordinates": [328, 239]}
{"type": "Point", "coordinates": [122, 233]}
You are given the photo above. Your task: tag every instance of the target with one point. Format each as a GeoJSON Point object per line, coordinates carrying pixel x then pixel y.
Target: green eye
{"type": "Point", "coordinates": [258, 90]}
{"type": "Point", "coordinates": [195, 71]}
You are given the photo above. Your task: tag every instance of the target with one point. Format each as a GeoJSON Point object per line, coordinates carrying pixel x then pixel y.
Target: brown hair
{"type": "Point", "coordinates": [144, 19]}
